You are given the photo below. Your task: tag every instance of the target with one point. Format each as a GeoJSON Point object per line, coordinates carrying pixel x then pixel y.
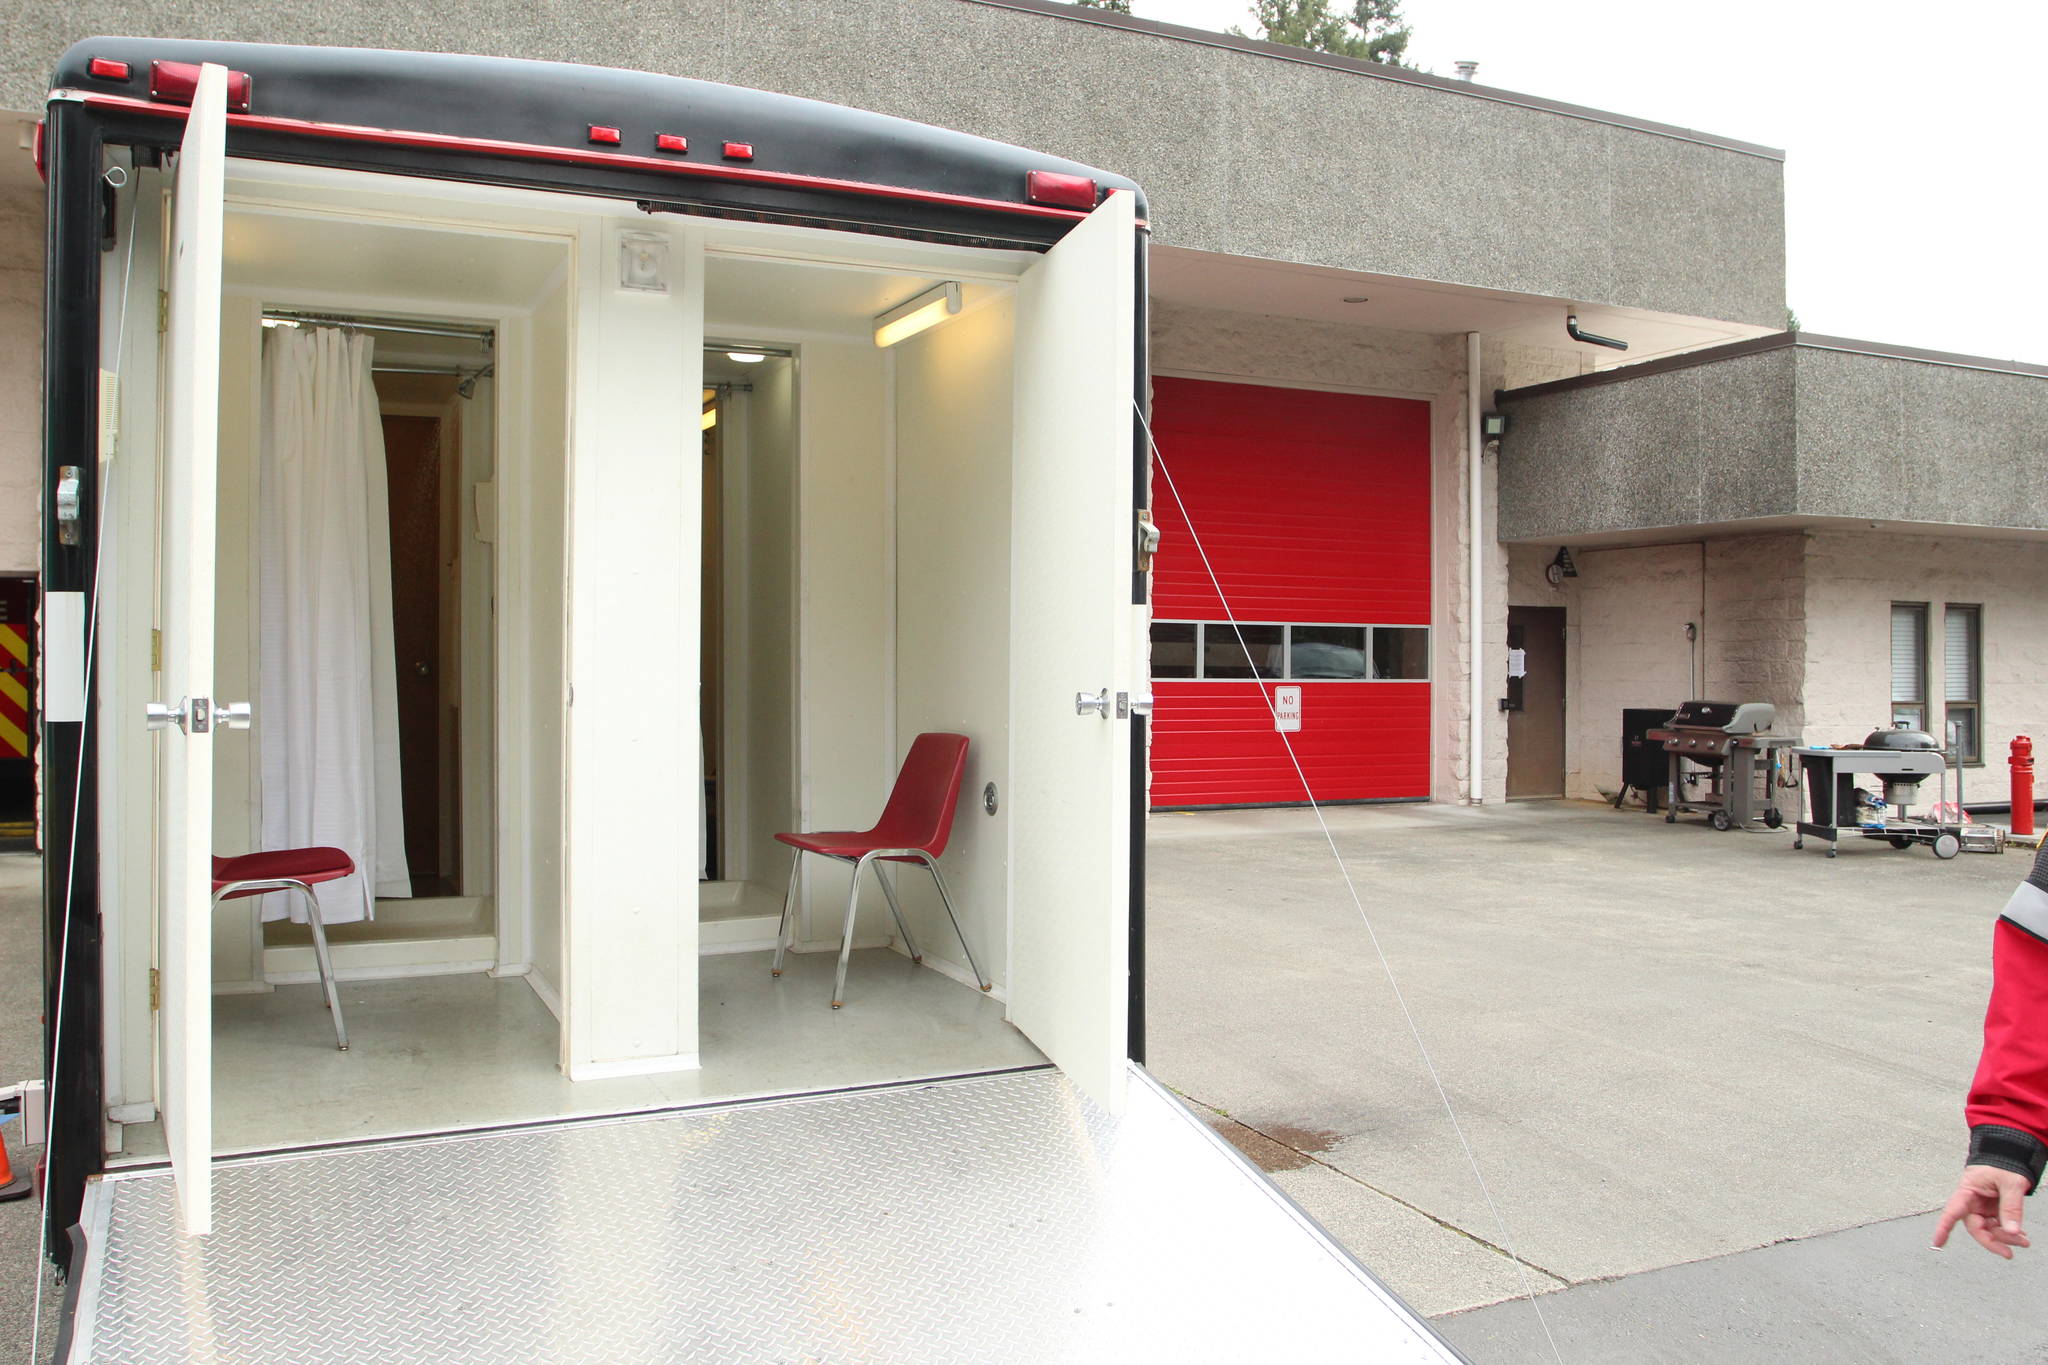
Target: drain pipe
{"type": "Point", "coordinates": [1475, 603]}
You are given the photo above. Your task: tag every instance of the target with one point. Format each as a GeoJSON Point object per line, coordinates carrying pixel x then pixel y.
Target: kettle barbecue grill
{"type": "Point", "coordinates": [1901, 758]}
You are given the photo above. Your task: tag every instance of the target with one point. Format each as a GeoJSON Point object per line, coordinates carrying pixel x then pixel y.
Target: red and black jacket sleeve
{"type": "Point", "coordinates": [2008, 1105]}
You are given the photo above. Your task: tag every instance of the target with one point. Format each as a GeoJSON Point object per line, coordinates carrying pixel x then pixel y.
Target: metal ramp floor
{"type": "Point", "coordinates": [998, 1218]}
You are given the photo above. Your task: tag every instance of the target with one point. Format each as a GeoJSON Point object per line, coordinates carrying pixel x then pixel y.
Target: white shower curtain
{"type": "Point", "coordinates": [327, 698]}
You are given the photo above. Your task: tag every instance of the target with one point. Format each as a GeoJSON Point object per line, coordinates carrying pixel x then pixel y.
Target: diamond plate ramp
{"type": "Point", "coordinates": [1000, 1218]}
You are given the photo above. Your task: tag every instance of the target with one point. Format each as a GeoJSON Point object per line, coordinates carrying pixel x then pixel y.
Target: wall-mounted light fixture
{"type": "Point", "coordinates": [643, 262]}
{"type": "Point", "coordinates": [912, 316]}
{"type": "Point", "coordinates": [1493, 425]}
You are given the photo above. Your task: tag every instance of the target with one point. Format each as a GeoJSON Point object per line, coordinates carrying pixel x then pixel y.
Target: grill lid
{"type": "Point", "coordinates": [1899, 737]}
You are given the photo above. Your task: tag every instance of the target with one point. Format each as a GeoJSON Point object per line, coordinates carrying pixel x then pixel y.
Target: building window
{"type": "Point", "coordinates": [1909, 664]}
{"type": "Point", "coordinates": [1962, 674]}
{"type": "Point", "coordinates": [1210, 651]}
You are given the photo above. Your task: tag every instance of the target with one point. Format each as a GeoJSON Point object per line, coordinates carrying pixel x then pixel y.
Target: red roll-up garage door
{"type": "Point", "coordinates": [1313, 509]}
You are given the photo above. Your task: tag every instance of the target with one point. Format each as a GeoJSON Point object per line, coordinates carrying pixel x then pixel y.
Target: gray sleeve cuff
{"type": "Point", "coordinates": [2008, 1149]}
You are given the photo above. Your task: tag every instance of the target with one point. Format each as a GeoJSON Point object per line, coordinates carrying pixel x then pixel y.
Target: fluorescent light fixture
{"type": "Point", "coordinates": [747, 357]}
{"type": "Point", "coordinates": [928, 309]}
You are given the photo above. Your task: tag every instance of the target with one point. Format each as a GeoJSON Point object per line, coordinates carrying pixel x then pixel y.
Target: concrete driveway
{"type": "Point", "coordinates": [1665, 1045]}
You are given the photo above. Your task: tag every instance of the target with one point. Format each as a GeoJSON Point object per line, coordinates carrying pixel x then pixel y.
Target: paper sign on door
{"type": "Point", "coordinates": [1287, 709]}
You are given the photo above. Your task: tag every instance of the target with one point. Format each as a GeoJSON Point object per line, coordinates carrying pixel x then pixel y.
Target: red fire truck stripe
{"type": "Point", "coordinates": [533, 151]}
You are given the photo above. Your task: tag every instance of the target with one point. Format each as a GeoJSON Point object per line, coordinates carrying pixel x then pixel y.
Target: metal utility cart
{"type": "Point", "coordinates": [1902, 759]}
{"type": "Point", "coordinates": [1726, 743]}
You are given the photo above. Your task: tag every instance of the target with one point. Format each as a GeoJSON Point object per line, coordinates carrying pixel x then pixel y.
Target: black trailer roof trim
{"type": "Point", "coordinates": [532, 151]}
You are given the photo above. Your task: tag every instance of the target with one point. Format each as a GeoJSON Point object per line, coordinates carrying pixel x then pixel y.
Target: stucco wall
{"type": "Point", "coordinates": [1242, 152]}
{"type": "Point", "coordinates": [1807, 430]}
{"type": "Point", "coordinates": [1852, 580]}
{"type": "Point", "coordinates": [1755, 626]}
{"type": "Point", "coordinates": [21, 379]}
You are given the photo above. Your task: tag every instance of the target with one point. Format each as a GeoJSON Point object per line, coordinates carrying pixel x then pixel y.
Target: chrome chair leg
{"type": "Point", "coordinates": [902, 925]}
{"type": "Point", "coordinates": [320, 955]}
{"type": "Point", "coordinates": [947, 900]}
{"type": "Point", "coordinates": [782, 930]}
{"type": "Point", "coordinates": [846, 938]}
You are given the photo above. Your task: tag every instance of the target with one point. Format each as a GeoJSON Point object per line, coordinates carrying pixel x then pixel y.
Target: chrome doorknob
{"type": "Point", "coordinates": [162, 715]}
{"type": "Point", "coordinates": [234, 715]}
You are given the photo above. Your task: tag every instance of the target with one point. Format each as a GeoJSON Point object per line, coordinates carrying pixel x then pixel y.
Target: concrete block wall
{"type": "Point", "coordinates": [1755, 628]}
{"type": "Point", "coordinates": [1852, 580]}
{"type": "Point", "coordinates": [21, 379]}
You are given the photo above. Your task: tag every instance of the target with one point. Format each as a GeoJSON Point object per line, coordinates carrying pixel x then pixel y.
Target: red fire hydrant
{"type": "Point", "coordinates": [2022, 785]}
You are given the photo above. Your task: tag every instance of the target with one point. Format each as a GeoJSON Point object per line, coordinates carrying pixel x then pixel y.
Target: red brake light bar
{"type": "Point", "coordinates": [108, 69]}
{"type": "Point", "coordinates": [177, 82]}
{"type": "Point", "coordinates": [1065, 191]}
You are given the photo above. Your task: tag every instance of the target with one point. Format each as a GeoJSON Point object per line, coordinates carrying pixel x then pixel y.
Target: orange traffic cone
{"type": "Point", "coordinates": [11, 1188]}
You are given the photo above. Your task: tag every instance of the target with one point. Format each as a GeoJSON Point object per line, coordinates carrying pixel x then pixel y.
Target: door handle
{"type": "Point", "coordinates": [1098, 702]}
{"type": "Point", "coordinates": [198, 715]}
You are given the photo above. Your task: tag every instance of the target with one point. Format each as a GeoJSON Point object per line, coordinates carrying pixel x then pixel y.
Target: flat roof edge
{"type": "Point", "coordinates": [1377, 70]}
{"type": "Point", "coordinates": [1804, 341]}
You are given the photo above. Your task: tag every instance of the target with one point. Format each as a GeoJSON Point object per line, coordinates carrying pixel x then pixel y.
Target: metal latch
{"type": "Point", "coordinates": [1148, 540]}
{"type": "Point", "coordinates": [67, 505]}
{"type": "Point", "coordinates": [198, 715]}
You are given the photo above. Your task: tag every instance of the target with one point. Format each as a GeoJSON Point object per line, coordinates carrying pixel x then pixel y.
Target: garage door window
{"type": "Point", "coordinates": [1285, 652]}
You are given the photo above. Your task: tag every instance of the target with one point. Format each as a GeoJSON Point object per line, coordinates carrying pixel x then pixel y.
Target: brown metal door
{"type": "Point", "coordinates": [1536, 703]}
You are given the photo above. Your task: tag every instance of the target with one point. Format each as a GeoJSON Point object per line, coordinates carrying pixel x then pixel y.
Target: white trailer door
{"type": "Point", "coordinates": [1071, 624]}
{"type": "Point", "coordinates": [191, 386]}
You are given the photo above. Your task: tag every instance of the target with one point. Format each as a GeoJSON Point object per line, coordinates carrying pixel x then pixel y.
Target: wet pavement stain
{"type": "Point", "coordinates": [1277, 1147]}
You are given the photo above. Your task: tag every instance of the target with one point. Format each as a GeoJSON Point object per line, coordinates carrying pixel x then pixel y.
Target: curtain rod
{"type": "Point", "coordinates": [370, 324]}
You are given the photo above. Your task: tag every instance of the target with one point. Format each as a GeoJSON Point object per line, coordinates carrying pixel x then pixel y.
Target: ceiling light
{"type": "Point", "coordinates": [747, 357]}
{"type": "Point", "coordinates": [928, 309]}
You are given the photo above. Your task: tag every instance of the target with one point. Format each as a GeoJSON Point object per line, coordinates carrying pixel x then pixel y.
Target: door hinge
{"type": "Point", "coordinates": [156, 651]}
{"type": "Point", "coordinates": [156, 989]}
{"type": "Point", "coordinates": [163, 311]}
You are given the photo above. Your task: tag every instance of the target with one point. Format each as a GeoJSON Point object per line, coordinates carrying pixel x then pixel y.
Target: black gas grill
{"type": "Point", "coordinates": [1722, 745]}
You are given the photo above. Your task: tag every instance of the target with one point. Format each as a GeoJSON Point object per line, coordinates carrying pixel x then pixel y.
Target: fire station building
{"type": "Point", "coordinates": [1354, 268]}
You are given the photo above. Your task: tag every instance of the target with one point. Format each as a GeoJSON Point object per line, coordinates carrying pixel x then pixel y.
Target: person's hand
{"type": "Point", "coordinates": [1990, 1203]}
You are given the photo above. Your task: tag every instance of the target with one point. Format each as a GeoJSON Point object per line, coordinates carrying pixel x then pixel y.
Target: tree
{"type": "Point", "coordinates": [1373, 31]}
{"type": "Point", "coordinates": [1113, 6]}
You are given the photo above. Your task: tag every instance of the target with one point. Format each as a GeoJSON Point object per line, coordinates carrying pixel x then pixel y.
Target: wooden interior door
{"type": "Point", "coordinates": [1536, 703]}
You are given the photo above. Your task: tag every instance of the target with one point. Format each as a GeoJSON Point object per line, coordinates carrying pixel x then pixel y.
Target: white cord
{"type": "Point", "coordinates": [92, 619]}
{"type": "Point", "coordinates": [1386, 966]}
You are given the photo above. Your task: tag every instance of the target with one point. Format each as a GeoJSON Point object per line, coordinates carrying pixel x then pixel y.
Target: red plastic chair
{"type": "Point", "coordinates": [914, 828]}
{"type": "Point", "coordinates": [292, 869]}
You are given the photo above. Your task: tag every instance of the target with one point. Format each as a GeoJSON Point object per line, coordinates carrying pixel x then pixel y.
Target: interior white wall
{"type": "Point", "coordinates": [532, 620]}
{"type": "Point", "coordinates": [762, 564]}
{"type": "Point", "coordinates": [636, 523]}
{"type": "Point", "coordinates": [953, 449]}
{"type": "Point", "coordinates": [846, 613]}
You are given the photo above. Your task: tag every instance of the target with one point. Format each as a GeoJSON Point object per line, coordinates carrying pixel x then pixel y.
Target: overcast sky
{"type": "Point", "coordinates": [1913, 134]}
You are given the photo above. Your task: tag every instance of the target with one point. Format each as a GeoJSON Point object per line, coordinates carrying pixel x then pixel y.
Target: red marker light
{"type": "Point", "coordinates": [42, 172]}
{"type": "Point", "coordinates": [177, 82]}
{"type": "Point", "coordinates": [109, 70]}
{"type": "Point", "coordinates": [739, 151]}
{"type": "Point", "coordinates": [671, 142]}
{"type": "Point", "coordinates": [607, 136]}
{"type": "Point", "coordinates": [1065, 191]}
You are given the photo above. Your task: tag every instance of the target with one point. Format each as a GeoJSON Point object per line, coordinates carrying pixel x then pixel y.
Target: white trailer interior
{"type": "Point", "coordinates": [934, 535]}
